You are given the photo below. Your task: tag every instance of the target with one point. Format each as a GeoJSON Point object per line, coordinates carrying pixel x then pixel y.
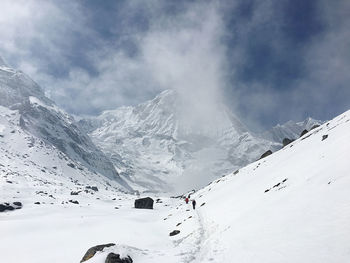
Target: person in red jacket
{"type": "Point", "coordinates": [186, 200]}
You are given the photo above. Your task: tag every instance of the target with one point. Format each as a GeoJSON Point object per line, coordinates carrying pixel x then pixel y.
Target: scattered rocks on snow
{"type": "Point", "coordinates": [267, 153]}
{"type": "Point", "coordinates": [174, 232]}
{"type": "Point", "coordinates": [202, 204]}
{"type": "Point", "coordinates": [94, 188]}
{"type": "Point", "coordinates": [178, 224]}
{"type": "Point", "coordinates": [71, 165]}
{"type": "Point", "coordinates": [144, 203]}
{"type": "Point", "coordinates": [115, 258]}
{"type": "Point", "coordinates": [37, 203]}
{"type": "Point", "coordinates": [324, 137]}
{"type": "Point", "coordinates": [92, 251]}
{"type": "Point", "coordinates": [74, 202]}
{"type": "Point", "coordinates": [74, 193]}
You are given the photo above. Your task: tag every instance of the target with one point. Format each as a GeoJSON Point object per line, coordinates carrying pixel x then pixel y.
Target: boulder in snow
{"type": "Point", "coordinates": [92, 251]}
{"type": "Point", "coordinates": [174, 232]}
{"type": "Point", "coordinates": [115, 258]}
{"type": "Point", "coordinates": [145, 203]}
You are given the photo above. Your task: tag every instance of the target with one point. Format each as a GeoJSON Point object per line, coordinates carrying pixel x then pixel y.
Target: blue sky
{"type": "Point", "coordinates": [270, 61]}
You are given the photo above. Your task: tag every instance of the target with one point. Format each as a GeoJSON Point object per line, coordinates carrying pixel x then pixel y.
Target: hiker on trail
{"type": "Point", "coordinates": [194, 204]}
{"type": "Point", "coordinates": [186, 200]}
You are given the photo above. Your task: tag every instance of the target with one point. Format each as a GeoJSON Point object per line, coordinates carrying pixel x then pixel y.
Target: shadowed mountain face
{"type": "Point", "coordinates": [43, 119]}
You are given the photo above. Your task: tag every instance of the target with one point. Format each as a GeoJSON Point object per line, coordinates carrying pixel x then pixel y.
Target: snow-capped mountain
{"type": "Point", "coordinates": [291, 130]}
{"type": "Point", "coordinates": [163, 143]}
{"type": "Point", "coordinates": [43, 121]}
{"type": "Point", "coordinates": [292, 206]}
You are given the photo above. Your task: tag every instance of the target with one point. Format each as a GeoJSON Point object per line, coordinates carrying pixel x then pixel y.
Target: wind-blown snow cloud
{"type": "Point", "coordinates": [271, 60]}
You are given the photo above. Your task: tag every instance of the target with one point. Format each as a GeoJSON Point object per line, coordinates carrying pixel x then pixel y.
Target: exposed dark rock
{"type": "Point", "coordinates": [94, 188]}
{"type": "Point", "coordinates": [202, 204]}
{"type": "Point", "coordinates": [175, 232]}
{"type": "Point", "coordinates": [267, 190]}
{"type": "Point", "coordinates": [267, 153]}
{"type": "Point", "coordinates": [303, 133]}
{"type": "Point", "coordinates": [324, 137]}
{"type": "Point", "coordinates": [145, 203]}
{"type": "Point", "coordinates": [71, 165]}
{"type": "Point", "coordinates": [74, 202]}
{"type": "Point", "coordinates": [236, 172]}
{"type": "Point", "coordinates": [115, 258]}
{"type": "Point", "coordinates": [286, 141]}
{"type": "Point", "coordinates": [9, 182]}
{"type": "Point", "coordinates": [314, 127]}
{"type": "Point", "coordinates": [6, 207]}
{"type": "Point", "coordinates": [92, 251]}
{"type": "Point", "coordinates": [277, 185]}
{"type": "Point", "coordinates": [37, 203]}
{"type": "Point", "coordinates": [17, 203]}
{"type": "Point", "coordinates": [178, 224]}
{"type": "Point", "coordinates": [74, 193]}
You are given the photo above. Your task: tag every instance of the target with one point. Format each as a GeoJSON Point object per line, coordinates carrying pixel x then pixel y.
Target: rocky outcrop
{"type": "Point", "coordinates": [174, 232]}
{"type": "Point", "coordinates": [144, 203]}
{"type": "Point", "coordinates": [9, 207]}
{"type": "Point", "coordinates": [286, 141]}
{"type": "Point", "coordinates": [267, 153]}
{"type": "Point", "coordinates": [92, 251]}
{"type": "Point", "coordinates": [303, 133]}
{"type": "Point", "coordinates": [115, 258]}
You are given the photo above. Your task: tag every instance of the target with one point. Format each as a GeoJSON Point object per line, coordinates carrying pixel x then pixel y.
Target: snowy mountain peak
{"type": "Point", "coordinates": [290, 129]}
{"type": "Point", "coordinates": [45, 121]}
{"type": "Point", "coordinates": [166, 140]}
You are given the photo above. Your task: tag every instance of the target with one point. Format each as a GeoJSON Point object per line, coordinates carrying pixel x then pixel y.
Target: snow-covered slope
{"type": "Point", "coordinates": [292, 206]}
{"type": "Point", "coordinates": [161, 144]}
{"type": "Point", "coordinates": [290, 130]}
{"type": "Point", "coordinates": [42, 119]}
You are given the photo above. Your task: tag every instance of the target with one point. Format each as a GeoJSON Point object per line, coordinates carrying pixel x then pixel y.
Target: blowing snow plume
{"type": "Point", "coordinates": [184, 53]}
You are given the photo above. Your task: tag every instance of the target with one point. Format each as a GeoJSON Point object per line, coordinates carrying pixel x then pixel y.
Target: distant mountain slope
{"type": "Point", "coordinates": [290, 130]}
{"type": "Point", "coordinates": [292, 206]}
{"type": "Point", "coordinates": [161, 144]}
{"type": "Point", "coordinates": [44, 120]}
